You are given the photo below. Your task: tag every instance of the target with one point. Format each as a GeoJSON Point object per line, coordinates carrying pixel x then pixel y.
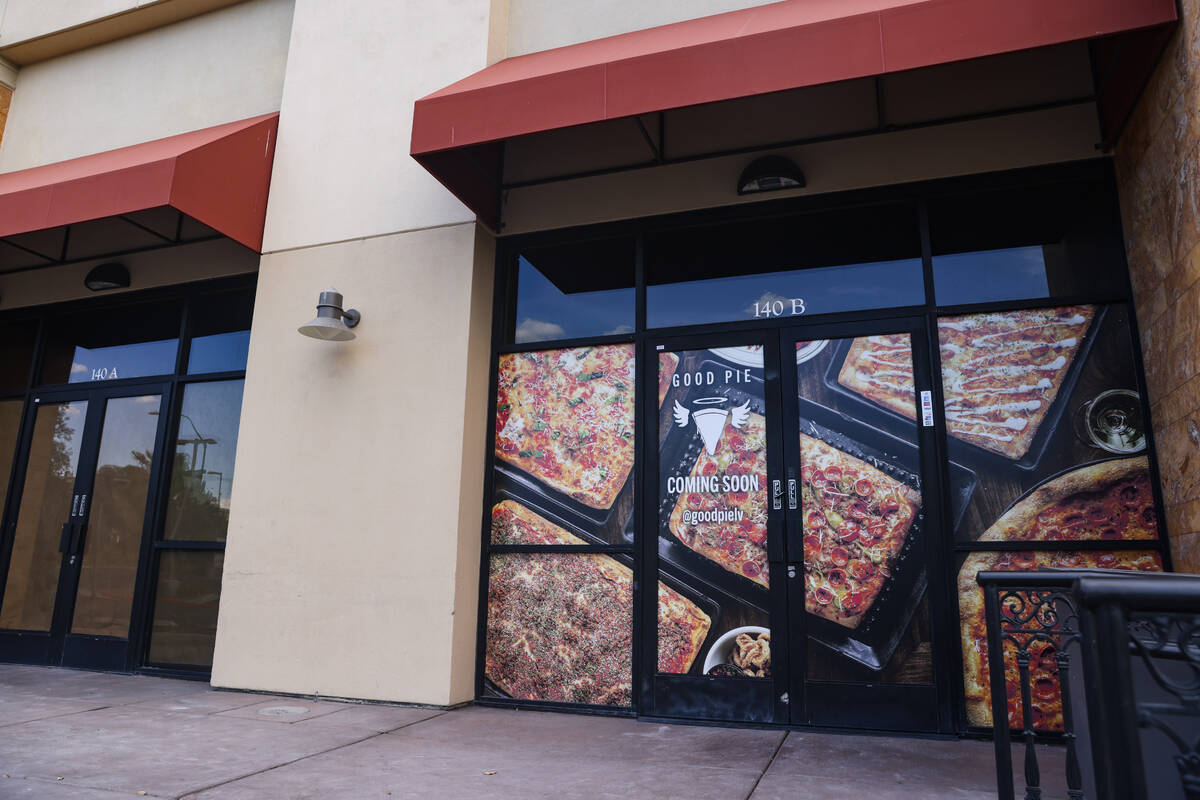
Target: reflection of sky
{"type": "Point", "coordinates": [126, 360]}
{"type": "Point", "coordinates": [850, 287]}
{"type": "Point", "coordinates": [221, 352]}
{"type": "Point", "coordinates": [544, 312]}
{"type": "Point", "coordinates": [215, 410]}
{"type": "Point", "coordinates": [1010, 274]}
{"type": "Point", "coordinates": [128, 428]}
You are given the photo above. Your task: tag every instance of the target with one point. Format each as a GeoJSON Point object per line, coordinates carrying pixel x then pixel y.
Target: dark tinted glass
{"type": "Point", "coordinates": [1060, 240]}
{"type": "Point", "coordinates": [185, 608]}
{"type": "Point", "coordinates": [570, 291]}
{"type": "Point", "coordinates": [111, 344]}
{"type": "Point", "coordinates": [16, 354]}
{"type": "Point", "coordinates": [817, 263]}
{"type": "Point", "coordinates": [220, 332]}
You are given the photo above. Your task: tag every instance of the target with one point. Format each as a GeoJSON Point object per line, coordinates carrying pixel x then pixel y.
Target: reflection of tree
{"type": "Point", "coordinates": [60, 465]}
{"type": "Point", "coordinates": [194, 512]}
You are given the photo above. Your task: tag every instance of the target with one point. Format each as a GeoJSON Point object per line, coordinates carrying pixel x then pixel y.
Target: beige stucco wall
{"type": "Point", "coordinates": [356, 505]}
{"type": "Point", "coordinates": [1158, 168]}
{"type": "Point", "coordinates": [353, 554]}
{"type": "Point", "coordinates": [218, 67]}
{"type": "Point", "coordinates": [535, 25]}
{"type": "Point", "coordinates": [147, 270]}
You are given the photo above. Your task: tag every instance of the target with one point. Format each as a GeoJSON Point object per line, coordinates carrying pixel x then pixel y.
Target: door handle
{"type": "Point", "coordinates": [77, 538]}
{"type": "Point", "coordinates": [64, 543]}
{"type": "Point", "coordinates": [792, 495]}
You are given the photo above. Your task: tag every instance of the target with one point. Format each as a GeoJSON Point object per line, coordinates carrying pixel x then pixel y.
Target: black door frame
{"type": "Point", "coordinates": [59, 646]}
{"type": "Point", "coordinates": [683, 696]}
{"type": "Point", "coordinates": [27, 646]}
{"type": "Point", "coordinates": [947, 665]}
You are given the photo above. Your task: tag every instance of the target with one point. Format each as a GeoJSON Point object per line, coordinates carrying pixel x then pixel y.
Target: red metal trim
{"type": "Point", "coordinates": [220, 176]}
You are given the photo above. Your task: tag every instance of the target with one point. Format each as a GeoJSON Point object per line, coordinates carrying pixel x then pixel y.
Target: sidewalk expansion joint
{"type": "Point", "coordinates": [770, 761]}
{"type": "Point", "coordinates": [194, 792]}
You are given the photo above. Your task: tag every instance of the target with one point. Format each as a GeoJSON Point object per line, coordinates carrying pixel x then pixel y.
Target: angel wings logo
{"type": "Point", "coordinates": [710, 418]}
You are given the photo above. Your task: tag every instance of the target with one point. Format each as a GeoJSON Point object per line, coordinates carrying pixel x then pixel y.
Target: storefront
{"type": "Point", "coordinates": [746, 460]}
{"type": "Point", "coordinates": [811, 423]}
{"type": "Point", "coordinates": [704, 355]}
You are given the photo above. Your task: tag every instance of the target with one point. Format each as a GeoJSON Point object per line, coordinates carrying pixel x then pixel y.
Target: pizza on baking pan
{"type": "Point", "coordinates": [700, 519]}
{"type": "Point", "coordinates": [1001, 372]}
{"type": "Point", "coordinates": [667, 362]}
{"type": "Point", "coordinates": [856, 519]}
{"type": "Point", "coordinates": [1045, 692]}
{"type": "Point", "coordinates": [566, 418]}
{"type": "Point", "coordinates": [559, 625]}
{"type": "Point", "coordinates": [1105, 500]}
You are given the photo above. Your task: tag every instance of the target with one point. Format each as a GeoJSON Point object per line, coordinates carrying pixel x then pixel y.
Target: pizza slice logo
{"type": "Point", "coordinates": [711, 419]}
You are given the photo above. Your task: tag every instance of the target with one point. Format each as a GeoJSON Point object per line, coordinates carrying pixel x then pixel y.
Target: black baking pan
{"type": "Point", "coordinates": [518, 487]}
{"type": "Point", "coordinates": [875, 639]}
{"type": "Point", "coordinates": [677, 456]}
{"type": "Point", "coordinates": [964, 451]}
{"type": "Point", "coordinates": [539, 496]}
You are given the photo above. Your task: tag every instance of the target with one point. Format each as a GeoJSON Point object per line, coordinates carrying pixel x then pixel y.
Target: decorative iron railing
{"type": "Point", "coordinates": [1136, 733]}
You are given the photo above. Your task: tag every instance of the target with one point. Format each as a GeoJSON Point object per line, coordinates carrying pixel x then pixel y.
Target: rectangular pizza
{"type": "Point", "coordinates": [667, 363]}
{"type": "Point", "coordinates": [1001, 372]}
{"type": "Point", "coordinates": [560, 625]}
{"type": "Point", "coordinates": [566, 418]}
{"type": "Point", "coordinates": [856, 519]}
{"type": "Point", "coordinates": [729, 528]}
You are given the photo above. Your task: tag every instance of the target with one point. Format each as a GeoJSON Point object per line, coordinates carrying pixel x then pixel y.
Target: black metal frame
{"type": "Point", "coordinates": [22, 646]}
{"type": "Point", "coordinates": [944, 552]}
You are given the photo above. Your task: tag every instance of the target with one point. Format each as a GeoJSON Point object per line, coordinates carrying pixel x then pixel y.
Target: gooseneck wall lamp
{"type": "Point", "coordinates": [332, 323]}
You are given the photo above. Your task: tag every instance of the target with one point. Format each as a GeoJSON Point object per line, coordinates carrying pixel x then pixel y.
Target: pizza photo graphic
{"type": "Point", "coordinates": [1001, 372]}
{"type": "Point", "coordinates": [729, 528]}
{"type": "Point", "coordinates": [1046, 692]}
{"type": "Point", "coordinates": [856, 519]}
{"type": "Point", "coordinates": [560, 625]}
{"type": "Point", "coordinates": [565, 417]}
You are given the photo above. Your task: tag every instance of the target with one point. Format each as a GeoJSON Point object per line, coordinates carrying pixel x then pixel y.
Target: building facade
{"type": "Point", "coordinates": [799, 315]}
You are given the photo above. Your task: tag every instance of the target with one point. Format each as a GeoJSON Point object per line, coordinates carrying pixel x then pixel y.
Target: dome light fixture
{"type": "Point", "coordinates": [769, 174]}
{"type": "Point", "coordinates": [331, 324]}
{"type": "Point", "coordinates": [112, 275]}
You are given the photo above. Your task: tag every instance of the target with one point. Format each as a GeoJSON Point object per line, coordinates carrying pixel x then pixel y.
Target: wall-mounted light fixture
{"type": "Point", "coordinates": [331, 323]}
{"type": "Point", "coordinates": [770, 173]}
{"type": "Point", "coordinates": [112, 275]}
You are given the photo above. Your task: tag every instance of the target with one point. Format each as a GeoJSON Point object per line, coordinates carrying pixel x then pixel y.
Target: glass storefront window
{"type": "Point", "coordinates": [819, 263]}
{"type": "Point", "coordinates": [1047, 697]}
{"type": "Point", "coordinates": [185, 608]}
{"type": "Point", "coordinates": [202, 472]}
{"type": "Point", "coordinates": [1059, 240]}
{"type": "Point", "coordinates": [17, 340]}
{"type": "Point", "coordinates": [220, 332]}
{"type": "Point", "coordinates": [569, 292]}
{"type": "Point", "coordinates": [112, 344]}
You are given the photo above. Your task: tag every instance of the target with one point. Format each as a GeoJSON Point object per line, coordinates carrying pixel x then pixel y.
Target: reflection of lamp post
{"type": "Point", "coordinates": [200, 439]}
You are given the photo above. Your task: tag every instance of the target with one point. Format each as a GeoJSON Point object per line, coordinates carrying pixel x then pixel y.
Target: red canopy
{"type": "Point", "coordinates": [218, 176]}
{"type": "Point", "coordinates": [768, 48]}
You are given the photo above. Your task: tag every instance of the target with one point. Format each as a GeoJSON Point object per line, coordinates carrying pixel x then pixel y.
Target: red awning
{"type": "Point", "coordinates": [217, 176]}
{"type": "Point", "coordinates": [768, 48]}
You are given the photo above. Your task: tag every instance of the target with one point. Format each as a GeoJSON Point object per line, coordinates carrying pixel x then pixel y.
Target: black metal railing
{"type": "Point", "coordinates": [1138, 637]}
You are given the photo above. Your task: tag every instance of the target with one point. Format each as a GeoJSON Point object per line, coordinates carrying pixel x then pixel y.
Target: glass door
{"type": "Point", "coordinates": [862, 526]}
{"type": "Point", "coordinates": [78, 526]}
{"type": "Point", "coordinates": [714, 531]}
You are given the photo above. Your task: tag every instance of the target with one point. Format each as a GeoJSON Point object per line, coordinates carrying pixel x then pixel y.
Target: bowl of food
{"type": "Point", "coordinates": [745, 651]}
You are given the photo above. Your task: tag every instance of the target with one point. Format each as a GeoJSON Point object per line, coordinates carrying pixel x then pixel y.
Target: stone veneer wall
{"type": "Point", "coordinates": [1158, 169]}
{"type": "Point", "coordinates": [5, 101]}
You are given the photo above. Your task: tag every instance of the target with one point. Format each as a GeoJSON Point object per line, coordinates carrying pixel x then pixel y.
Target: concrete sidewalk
{"type": "Point", "coordinates": [91, 736]}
